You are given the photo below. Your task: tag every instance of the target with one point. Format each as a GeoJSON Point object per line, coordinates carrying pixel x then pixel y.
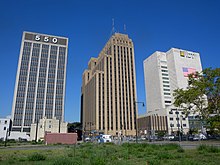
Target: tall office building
{"type": "Point", "coordinates": [165, 72]}
{"type": "Point", "coordinates": [40, 82]}
{"type": "Point", "coordinates": [108, 100]}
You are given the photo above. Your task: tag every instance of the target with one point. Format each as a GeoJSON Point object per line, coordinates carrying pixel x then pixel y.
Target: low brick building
{"type": "Point", "coordinates": [61, 138]}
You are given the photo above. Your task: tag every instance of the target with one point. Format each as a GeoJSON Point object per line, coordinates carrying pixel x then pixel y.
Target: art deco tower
{"type": "Point", "coordinates": [40, 82]}
{"type": "Point", "coordinates": [109, 89]}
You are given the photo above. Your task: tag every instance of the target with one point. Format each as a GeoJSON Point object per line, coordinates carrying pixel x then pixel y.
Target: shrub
{"type": "Point", "coordinates": [180, 150]}
{"type": "Point", "coordinates": [97, 161]}
{"type": "Point", "coordinates": [164, 155]}
{"type": "Point", "coordinates": [153, 162]}
{"type": "Point", "coordinates": [202, 148]}
{"type": "Point", "coordinates": [214, 149]}
{"type": "Point", "coordinates": [36, 157]}
{"type": "Point", "coordinates": [170, 146]}
{"type": "Point", "coordinates": [67, 161]}
{"type": "Point", "coordinates": [206, 148]}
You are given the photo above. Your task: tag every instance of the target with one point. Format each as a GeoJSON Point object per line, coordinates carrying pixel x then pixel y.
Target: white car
{"type": "Point", "coordinates": [105, 138]}
{"type": "Point", "coordinates": [168, 137]}
{"type": "Point", "coordinates": [87, 139]}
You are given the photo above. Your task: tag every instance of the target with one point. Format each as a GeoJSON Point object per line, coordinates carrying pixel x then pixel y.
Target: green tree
{"type": "Point", "coordinates": [202, 96]}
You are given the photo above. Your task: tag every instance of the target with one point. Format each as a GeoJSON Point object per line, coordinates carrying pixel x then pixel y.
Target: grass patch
{"type": "Point", "coordinates": [36, 157]}
{"type": "Point", "coordinates": [205, 148]}
{"type": "Point", "coordinates": [108, 154]}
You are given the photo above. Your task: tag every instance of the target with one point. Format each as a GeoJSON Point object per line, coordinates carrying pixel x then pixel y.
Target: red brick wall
{"type": "Point", "coordinates": [63, 138]}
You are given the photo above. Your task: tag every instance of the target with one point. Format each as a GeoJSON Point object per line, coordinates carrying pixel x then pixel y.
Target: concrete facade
{"type": "Point", "coordinates": [47, 126]}
{"type": "Point", "coordinates": [5, 126]}
{"type": "Point", "coordinates": [40, 81]}
{"type": "Point", "coordinates": [108, 96]}
{"type": "Point", "coordinates": [165, 72]}
{"type": "Point", "coordinates": [147, 123]}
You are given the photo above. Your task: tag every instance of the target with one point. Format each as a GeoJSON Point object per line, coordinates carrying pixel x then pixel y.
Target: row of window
{"type": "Point", "coordinates": [171, 118]}
{"type": "Point", "coordinates": [178, 125]}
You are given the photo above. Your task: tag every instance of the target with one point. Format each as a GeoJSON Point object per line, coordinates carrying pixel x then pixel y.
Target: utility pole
{"type": "Point", "coordinates": [136, 102]}
{"type": "Point", "coordinates": [178, 124]}
{"type": "Point", "coordinates": [36, 132]}
{"type": "Point", "coordinates": [6, 137]}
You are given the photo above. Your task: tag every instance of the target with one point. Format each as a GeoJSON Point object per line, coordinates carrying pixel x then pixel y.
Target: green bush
{"type": "Point", "coordinates": [205, 148]}
{"type": "Point", "coordinates": [97, 161]}
{"type": "Point", "coordinates": [164, 155]}
{"type": "Point", "coordinates": [170, 146]}
{"type": "Point", "coordinates": [67, 161]}
{"type": "Point", "coordinates": [202, 147]}
{"type": "Point", "coordinates": [180, 150]}
{"type": "Point", "coordinates": [214, 149]}
{"type": "Point", "coordinates": [36, 157]}
{"type": "Point", "coordinates": [153, 162]}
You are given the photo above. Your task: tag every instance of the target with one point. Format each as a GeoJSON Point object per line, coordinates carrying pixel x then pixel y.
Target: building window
{"type": "Point", "coordinates": [170, 112]}
{"type": "Point", "coordinates": [166, 82]}
{"type": "Point", "coordinates": [167, 101]}
{"type": "Point", "coordinates": [49, 126]}
{"type": "Point", "coordinates": [164, 67]}
{"type": "Point", "coordinates": [5, 121]}
{"type": "Point", "coordinates": [171, 118]}
{"type": "Point", "coordinates": [4, 128]}
{"type": "Point", "coordinates": [184, 125]}
{"type": "Point", "coordinates": [164, 74]}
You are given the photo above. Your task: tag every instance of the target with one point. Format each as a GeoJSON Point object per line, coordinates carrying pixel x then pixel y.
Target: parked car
{"type": "Point", "coordinates": [190, 137]}
{"type": "Point", "coordinates": [168, 137]}
{"type": "Point", "coordinates": [105, 139]}
{"type": "Point", "coordinates": [203, 137]}
{"type": "Point", "coordinates": [197, 137]}
{"type": "Point", "coordinates": [213, 137]}
{"type": "Point", "coordinates": [87, 139]}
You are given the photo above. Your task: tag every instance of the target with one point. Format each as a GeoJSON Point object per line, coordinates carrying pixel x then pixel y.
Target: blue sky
{"type": "Point", "coordinates": [151, 24]}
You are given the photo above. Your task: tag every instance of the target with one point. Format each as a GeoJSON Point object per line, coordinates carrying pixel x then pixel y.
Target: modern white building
{"type": "Point", "coordinates": [40, 81]}
{"type": "Point", "coordinates": [165, 72]}
{"type": "Point", "coordinates": [45, 125]}
{"type": "Point", "coordinates": [5, 124]}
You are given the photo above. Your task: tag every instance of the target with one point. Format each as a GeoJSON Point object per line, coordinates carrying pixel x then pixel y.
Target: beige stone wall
{"type": "Point", "coordinates": [47, 125]}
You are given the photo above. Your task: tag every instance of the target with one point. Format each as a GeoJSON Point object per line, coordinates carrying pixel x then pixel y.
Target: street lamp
{"type": "Point", "coordinates": [178, 124]}
{"type": "Point", "coordinates": [136, 102]}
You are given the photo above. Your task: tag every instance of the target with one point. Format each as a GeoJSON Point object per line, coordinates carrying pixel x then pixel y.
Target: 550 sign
{"type": "Point", "coordinates": [46, 39]}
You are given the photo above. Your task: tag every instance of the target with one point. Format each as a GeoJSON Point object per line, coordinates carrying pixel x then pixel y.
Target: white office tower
{"type": "Point", "coordinates": [40, 82]}
{"type": "Point", "coordinates": [165, 72]}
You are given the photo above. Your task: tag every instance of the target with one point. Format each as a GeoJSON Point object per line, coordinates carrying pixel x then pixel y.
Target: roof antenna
{"type": "Point", "coordinates": [113, 26]}
{"type": "Point", "coordinates": [124, 28]}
